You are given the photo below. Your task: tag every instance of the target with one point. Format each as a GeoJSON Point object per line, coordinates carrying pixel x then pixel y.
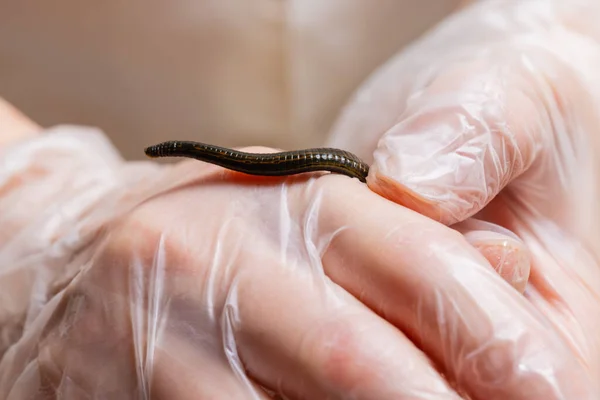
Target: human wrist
{"type": "Point", "coordinates": [14, 125]}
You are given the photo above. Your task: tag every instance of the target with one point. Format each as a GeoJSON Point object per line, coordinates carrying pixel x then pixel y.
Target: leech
{"type": "Point", "coordinates": [268, 164]}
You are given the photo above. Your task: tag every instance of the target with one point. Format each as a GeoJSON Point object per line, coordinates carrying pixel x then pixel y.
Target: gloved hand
{"type": "Point", "coordinates": [496, 114]}
{"type": "Point", "coordinates": [134, 280]}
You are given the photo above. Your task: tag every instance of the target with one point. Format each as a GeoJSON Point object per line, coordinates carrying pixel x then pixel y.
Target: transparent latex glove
{"type": "Point", "coordinates": [135, 281]}
{"type": "Point", "coordinates": [496, 113]}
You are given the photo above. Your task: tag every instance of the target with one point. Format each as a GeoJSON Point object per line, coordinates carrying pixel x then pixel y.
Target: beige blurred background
{"type": "Point", "coordinates": [228, 72]}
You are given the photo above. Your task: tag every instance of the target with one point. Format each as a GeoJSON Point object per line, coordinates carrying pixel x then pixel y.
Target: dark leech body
{"type": "Point", "coordinates": [273, 164]}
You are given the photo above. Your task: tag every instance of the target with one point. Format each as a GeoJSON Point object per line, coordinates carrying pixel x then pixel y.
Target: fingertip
{"type": "Point", "coordinates": [396, 192]}
{"type": "Point", "coordinates": [508, 256]}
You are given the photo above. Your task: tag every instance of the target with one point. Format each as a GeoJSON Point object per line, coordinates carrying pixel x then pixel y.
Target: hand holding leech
{"type": "Point", "coordinates": [215, 269]}
{"type": "Point", "coordinates": [192, 281]}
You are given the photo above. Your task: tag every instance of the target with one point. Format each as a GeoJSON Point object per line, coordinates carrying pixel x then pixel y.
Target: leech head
{"type": "Point", "coordinates": [152, 151]}
{"type": "Point", "coordinates": [161, 150]}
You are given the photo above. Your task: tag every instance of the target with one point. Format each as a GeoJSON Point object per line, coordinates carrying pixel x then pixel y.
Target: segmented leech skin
{"type": "Point", "coordinates": [273, 164]}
